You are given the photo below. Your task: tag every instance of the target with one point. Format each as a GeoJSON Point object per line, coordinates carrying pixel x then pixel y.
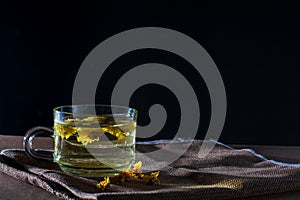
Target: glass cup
{"type": "Point", "coordinates": [89, 140]}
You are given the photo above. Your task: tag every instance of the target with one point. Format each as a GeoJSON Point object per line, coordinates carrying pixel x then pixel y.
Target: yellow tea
{"type": "Point", "coordinates": [95, 146]}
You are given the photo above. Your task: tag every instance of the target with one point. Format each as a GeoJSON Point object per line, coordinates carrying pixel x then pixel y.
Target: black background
{"type": "Point", "coordinates": [256, 48]}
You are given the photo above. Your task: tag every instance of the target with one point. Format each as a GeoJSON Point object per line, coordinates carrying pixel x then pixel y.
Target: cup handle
{"type": "Point", "coordinates": [28, 141]}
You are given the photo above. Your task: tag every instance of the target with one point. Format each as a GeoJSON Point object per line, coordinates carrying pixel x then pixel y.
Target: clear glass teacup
{"type": "Point", "coordinates": [90, 140]}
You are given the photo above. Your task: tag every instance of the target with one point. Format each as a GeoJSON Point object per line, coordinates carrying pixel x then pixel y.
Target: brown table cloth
{"type": "Point", "coordinates": [223, 174]}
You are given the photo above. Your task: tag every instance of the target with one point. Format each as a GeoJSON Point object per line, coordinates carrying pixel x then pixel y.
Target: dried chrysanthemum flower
{"type": "Point", "coordinates": [88, 135]}
{"type": "Point", "coordinates": [118, 132]}
{"type": "Point", "coordinates": [152, 178]}
{"type": "Point", "coordinates": [86, 132]}
{"type": "Point", "coordinates": [121, 178]}
{"type": "Point", "coordinates": [128, 174]}
{"type": "Point", "coordinates": [135, 174]}
{"type": "Point", "coordinates": [137, 167]}
{"type": "Point", "coordinates": [104, 184]}
{"type": "Point", "coordinates": [64, 131]}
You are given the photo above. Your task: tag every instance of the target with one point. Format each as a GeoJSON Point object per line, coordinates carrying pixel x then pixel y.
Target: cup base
{"type": "Point", "coordinates": [90, 173]}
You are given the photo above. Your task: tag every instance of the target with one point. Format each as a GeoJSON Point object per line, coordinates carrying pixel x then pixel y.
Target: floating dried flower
{"type": "Point", "coordinates": [88, 135]}
{"type": "Point", "coordinates": [64, 131]}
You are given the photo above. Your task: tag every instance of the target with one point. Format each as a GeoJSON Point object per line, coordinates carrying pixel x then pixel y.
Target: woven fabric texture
{"type": "Point", "coordinates": [223, 174]}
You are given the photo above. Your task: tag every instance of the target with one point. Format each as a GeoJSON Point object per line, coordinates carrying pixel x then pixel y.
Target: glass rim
{"type": "Point", "coordinates": [56, 109]}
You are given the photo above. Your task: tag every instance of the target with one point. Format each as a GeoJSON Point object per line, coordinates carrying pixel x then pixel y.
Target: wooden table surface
{"type": "Point", "coordinates": [11, 188]}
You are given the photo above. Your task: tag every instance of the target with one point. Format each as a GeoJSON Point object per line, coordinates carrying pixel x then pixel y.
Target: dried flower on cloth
{"type": "Point", "coordinates": [133, 174]}
{"type": "Point", "coordinates": [104, 184]}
